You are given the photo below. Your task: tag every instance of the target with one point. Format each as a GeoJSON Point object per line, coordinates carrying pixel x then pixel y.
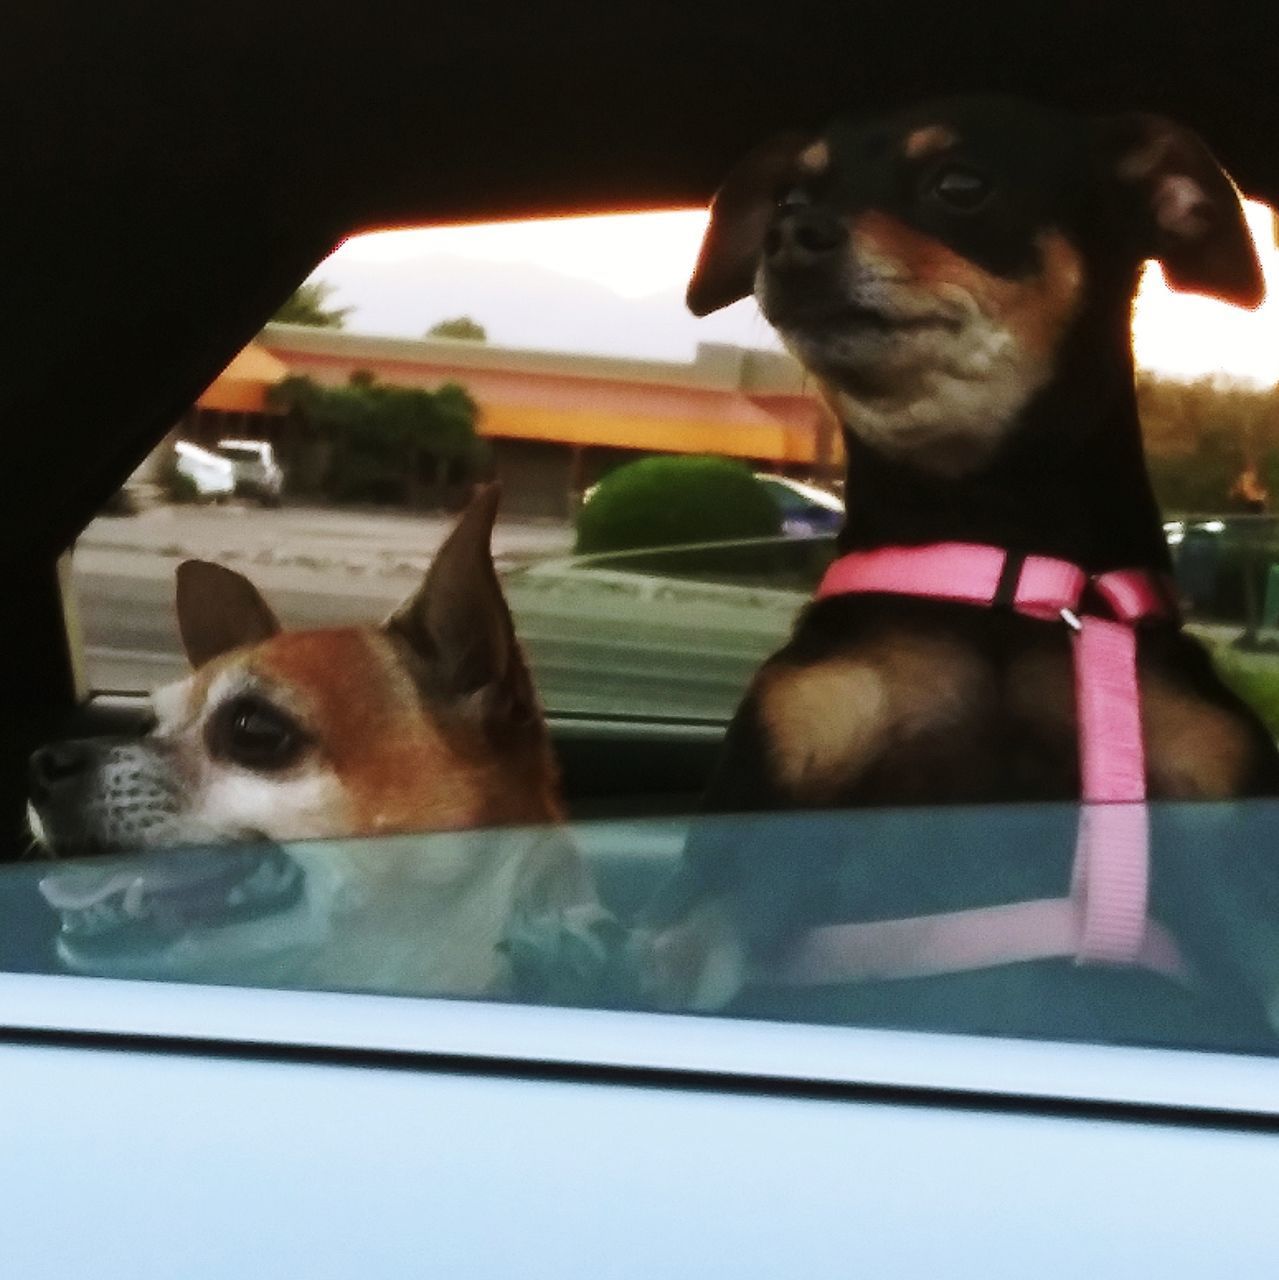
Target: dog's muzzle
{"type": "Point", "coordinates": [804, 238]}
{"type": "Point", "coordinates": [103, 795]}
{"type": "Point", "coordinates": [803, 268]}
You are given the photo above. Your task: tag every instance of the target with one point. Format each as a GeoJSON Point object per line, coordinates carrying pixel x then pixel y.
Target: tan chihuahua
{"type": "Point", "coordinates": [429, 722]}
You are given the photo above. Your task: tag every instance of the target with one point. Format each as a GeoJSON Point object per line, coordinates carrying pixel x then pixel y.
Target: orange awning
{"type": "Point", "coordinates": [243, 385]}
{"type": "Point", "coordinates": [753, 436]}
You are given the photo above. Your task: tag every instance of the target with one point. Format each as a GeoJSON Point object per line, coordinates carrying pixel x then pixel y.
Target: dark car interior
{"type": "Point", "coordinates": [174, 171]}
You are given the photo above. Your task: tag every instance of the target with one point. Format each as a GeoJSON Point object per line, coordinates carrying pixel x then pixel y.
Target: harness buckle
{"type": "Point", "coordinates": [1071, 619]}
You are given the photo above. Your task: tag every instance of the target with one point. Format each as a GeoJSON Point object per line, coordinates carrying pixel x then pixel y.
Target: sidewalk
{"type": "Point", "coordinates": [379, 544]}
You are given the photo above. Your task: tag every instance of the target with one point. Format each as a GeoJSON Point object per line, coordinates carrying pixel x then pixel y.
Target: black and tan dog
{"type": "Point", "coordinates": [959, 280]}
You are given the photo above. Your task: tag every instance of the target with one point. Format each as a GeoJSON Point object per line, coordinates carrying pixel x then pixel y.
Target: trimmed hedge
{"type": "Point", "coordinates": [669, 501]}
{"type": "Point", "coordinates": [387, 443]}
{"type": "Point", "coordinates": [1255, 678]}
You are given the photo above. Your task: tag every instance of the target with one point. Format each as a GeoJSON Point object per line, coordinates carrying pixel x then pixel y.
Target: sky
{"type": "Point", "coordinates": [614, 285]}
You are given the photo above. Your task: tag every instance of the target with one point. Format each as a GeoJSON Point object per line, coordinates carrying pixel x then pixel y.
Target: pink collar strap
{"type": "Point", "coordinates": [1104, 920]}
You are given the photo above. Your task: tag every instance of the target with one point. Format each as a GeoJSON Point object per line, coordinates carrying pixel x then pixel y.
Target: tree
{"type": "Point", "coordinates": [389, 443]}
{"type": "Point", "coordinates": [1200, 435]}
{"type": "Point", "coordinates": [459, 327]}
{"type": "Point", "coordinates": [306, 305]}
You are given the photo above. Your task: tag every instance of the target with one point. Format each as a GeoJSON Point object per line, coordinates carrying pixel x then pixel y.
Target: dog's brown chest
{"type": "Point", "coordinates": [911, 718]}
{"type": "Point", "coordinates": [833, 725]}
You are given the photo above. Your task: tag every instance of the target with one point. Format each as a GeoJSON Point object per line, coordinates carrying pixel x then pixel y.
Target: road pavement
{"type": "Point", "coordinates": [599, 643]}
{"type": "Point", "coordinates": [313, 537]}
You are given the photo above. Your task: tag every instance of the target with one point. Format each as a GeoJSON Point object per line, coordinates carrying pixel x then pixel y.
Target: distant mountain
{"type": "Point", "coordinates": [528, 306]}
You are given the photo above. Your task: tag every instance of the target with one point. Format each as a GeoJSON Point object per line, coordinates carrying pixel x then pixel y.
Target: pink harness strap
{"type": "Point", "coordinates": [964, 572]}
{"type": "Point", "coordinates": [1104, 920]}
{"type": "Point", "coordinates": [952, 942]}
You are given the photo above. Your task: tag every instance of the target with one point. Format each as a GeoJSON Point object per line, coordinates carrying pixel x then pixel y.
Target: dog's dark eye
{"type": "Point", "coordinates": [250, 731]}
{"type": "Point", "coordinates": [960, 188]}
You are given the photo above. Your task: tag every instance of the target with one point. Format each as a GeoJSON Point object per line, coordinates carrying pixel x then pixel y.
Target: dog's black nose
{"type": "Point", "coordinates": [804, 237]}
{"type": "Point", "coordinates": [53, 767]}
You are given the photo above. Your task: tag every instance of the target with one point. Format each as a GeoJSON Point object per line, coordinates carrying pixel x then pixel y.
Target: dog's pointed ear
{"type": "Point", "coordinates": [1192, 219]}
{"type": "Point", "coordinates": [219, 610]}
{"type": "Point", "coordinates": [740, 212]}
{"type": "Point", "coordinates": [458, 621]}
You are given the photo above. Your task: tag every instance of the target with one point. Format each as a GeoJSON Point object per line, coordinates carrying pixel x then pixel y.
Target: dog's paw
{"type": "Point", "coordinates": [579, 956]}
{"type": "Point", "coordinates": [698, 965]}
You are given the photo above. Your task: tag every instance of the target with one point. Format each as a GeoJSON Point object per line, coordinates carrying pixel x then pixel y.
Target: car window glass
{"type": "Point", "coordinates": [566, 916]}
{"type": "Point", "coordinates": [559, 354]}
{"type": "Point", "coordinates": [329, 458]}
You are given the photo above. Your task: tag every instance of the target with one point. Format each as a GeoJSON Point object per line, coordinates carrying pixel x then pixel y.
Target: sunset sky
{"type": "Point", "coordinates": [647, 257]}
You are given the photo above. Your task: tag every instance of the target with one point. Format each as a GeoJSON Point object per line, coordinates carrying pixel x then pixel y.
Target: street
{"type": "Point", "coordinates": [599, 643]}
{"type": "Point", "coordinates": [314, 537]}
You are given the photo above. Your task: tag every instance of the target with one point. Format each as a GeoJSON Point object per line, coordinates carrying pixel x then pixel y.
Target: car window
{"type": "Point", "coordinates": [552, 375]}
{"type": "Point", "coordinates": [565, 356]}
{"type": "Point", "coordinates": [648, 554]}
{"type": "Point", "coordinates": [564, 916]}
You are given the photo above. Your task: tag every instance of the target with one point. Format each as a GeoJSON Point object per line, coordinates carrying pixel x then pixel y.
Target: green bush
{"type": "Point", "coordinates": [174, 484]}
{"type": "Point", "coordinates": [181, 488]}
{"type": "Point", "coordinates": [668, 501]}
{"type": "Point", "coordinates": [364, 477]}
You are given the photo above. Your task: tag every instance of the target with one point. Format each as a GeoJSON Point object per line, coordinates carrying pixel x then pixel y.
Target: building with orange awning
{"type": "Point", "coordinates": [245, 384]}
{"type": "Point", "coordinates": [557, 420]}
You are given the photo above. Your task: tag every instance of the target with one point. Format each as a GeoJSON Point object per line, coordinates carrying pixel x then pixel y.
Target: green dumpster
{"type": "Point", "coordinates": [1270, 608]}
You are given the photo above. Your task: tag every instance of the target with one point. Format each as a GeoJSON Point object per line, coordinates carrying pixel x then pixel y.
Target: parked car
{"type": "Point", "coordinates": [806, 510]}
{"type": "Point", "coordinates": [213, 476]}
{"type": "Point", "coordinates": [257, 474]}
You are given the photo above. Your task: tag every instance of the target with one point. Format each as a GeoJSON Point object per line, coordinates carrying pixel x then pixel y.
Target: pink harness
{"type": "Point", "coordinates": [1104, 919]}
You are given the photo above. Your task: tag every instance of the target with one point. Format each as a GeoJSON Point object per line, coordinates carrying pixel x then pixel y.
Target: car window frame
{"type": "Point", "coordinates": [429, 1033]}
